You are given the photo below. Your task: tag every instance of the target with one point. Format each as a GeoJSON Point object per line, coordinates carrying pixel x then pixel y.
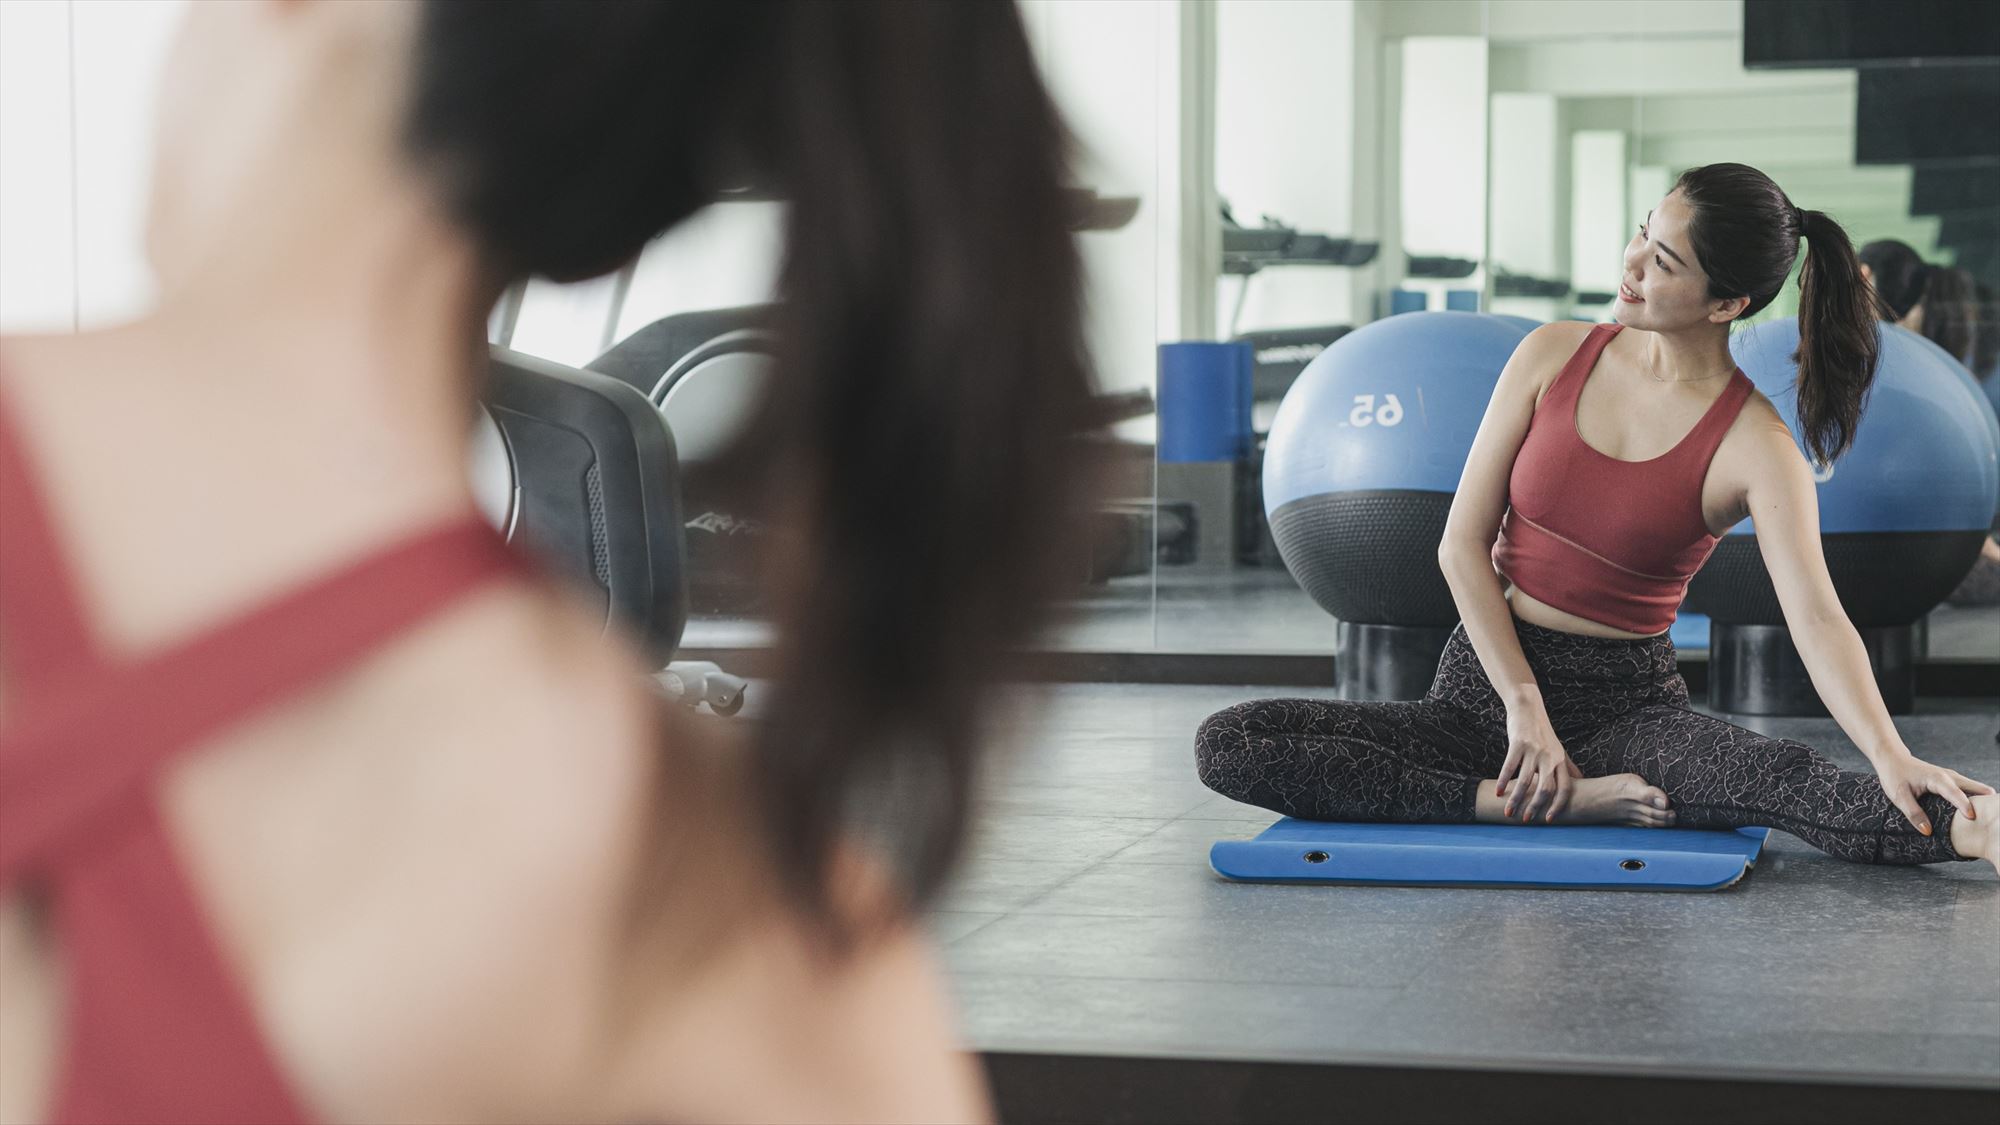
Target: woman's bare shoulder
{"type": "Point", "coordinates": [1759, 434]}
{"type": "Point", "coordinates": [752, 1015]}
{"type": "Point", "coordinates": [731, 1000]}
{"type": "Point", "coordinates": [1559, 333]}
{"type": "Point", "coordinates": [517, 759]}
{"type": "Point", "coordinates": [1539, 357]}
{"type": "Point", "coordinates": [1758, 446]}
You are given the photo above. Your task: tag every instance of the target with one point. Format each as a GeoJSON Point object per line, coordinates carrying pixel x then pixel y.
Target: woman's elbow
{"type": "Point", "coordinates": [1456, 552]}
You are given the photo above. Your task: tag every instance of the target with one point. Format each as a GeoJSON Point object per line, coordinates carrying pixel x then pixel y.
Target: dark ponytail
{"type": "Point", "coordinates": [1838, 339]}
{"type": "Point", "coordinates": [921, 436]}
{"type": "Point", "coordinates": [1746, 235]}
{"type": "Point", "coordinates": [915, 455]}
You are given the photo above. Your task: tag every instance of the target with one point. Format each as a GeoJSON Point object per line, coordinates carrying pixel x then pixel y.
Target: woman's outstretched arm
{"type": "Point", "coordinates": [1784, 505]}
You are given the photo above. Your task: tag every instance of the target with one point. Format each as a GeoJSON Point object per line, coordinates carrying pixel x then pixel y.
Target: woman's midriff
{"type": "Point", "coordinates": [1549, 617]}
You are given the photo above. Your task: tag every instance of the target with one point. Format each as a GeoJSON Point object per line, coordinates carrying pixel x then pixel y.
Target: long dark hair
{"type": "Point", "coordinates": [1951, 312]}
{"type": "Point", "coordinates": [1986, 332]}
{"type": "Point", "coordinates": [1746, 234]}
{"type": "Point", "coordinates": [1899, 276]}
{"type": "Point", "coordinates": [914, 450]}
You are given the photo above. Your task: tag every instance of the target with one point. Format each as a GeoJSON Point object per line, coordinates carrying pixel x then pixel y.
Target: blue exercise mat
{"type": "Point", "coordinates": [1594, 857]}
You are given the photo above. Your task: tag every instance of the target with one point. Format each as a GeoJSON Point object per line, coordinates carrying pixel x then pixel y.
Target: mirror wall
{"type": "Point", "coordinates": [1278, 173]}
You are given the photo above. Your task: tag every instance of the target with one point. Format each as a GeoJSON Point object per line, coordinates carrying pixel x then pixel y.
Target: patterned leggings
{"type": "Point", "coordinates": [1618, 706]}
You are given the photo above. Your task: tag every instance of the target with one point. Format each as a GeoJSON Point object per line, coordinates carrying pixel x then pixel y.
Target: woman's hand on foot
{"type": "Point", "coordinates": [1907, 778]}
{"type": "Point", "coordinates": [1540, 769]}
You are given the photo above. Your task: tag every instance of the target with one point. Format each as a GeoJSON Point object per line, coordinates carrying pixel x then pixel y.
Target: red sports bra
{"type": "Point", "coordinates": [157, 1026]}
{"type": "Point", "coordinates": [1610, 541]}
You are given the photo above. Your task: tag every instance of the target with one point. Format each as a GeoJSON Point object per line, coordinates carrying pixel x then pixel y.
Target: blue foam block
{"type": "Point", "coordinates": [1594, 857]}
{"type": "Point", "coordinates": [1690, 631]}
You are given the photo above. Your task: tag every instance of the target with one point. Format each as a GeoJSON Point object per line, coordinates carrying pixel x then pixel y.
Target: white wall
{"type": "Point", "coordinates": [121, 46]}
{"type": "Point", "coordinates": [1529, 217]}
{"type": "Point", "coordinates": [1599, 209]}
{"type": "Point", "coordinates": [71, 251]}
{"type": "Point", "coordinates": [1102, 60]}
{"type": "Point", "coordinates": [1444, 147]}
{"type": "Point", "coordinates": [722, 257]}
{"type": "Point", "coordinates": [1648, 184]}
{"type": "Point", "coordinates": [37, 192]}
{"type": "Point", "coordinates": [76, 95]}
{"type": "Point", "coordinates": [1285, 146]}
{"type": "Point", "coordinates": [74, 177]}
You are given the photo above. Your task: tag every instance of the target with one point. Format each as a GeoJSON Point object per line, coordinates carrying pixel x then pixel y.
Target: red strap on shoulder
{"type": "Point", "coordinates": [47, 634]}
{"type": "Point", "coordinates": [1568, 383]}
{"type": "Point", "coordinates": [89, 752]}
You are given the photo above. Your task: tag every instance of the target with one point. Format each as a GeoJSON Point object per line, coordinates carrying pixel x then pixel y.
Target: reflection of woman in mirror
{"type": "Point", "coordinates": [1897, 276]}
{"type": "Point", "coordinates": [1936, 302]}
{"type": "Point", "coordinates": [414, 840]}
{"type": "Point", "coordinates": [1973, 315]}
{"type": "Point", "coordinates": [1610, 459]}
{"type": "Point", "coordinates": [1945, 306]}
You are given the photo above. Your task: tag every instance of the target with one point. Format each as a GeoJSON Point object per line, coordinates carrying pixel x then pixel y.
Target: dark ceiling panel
{"type": "Point", "coordinates": [1970, 228]}
{"type": "Point", "coordinates": [1942, 115]}
{"type": "Point", "coordinates": [1803, 33]}
{"type": "Point", "coordinates": [1938, 191]}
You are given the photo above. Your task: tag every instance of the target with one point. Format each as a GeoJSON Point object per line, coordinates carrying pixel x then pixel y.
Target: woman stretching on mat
{"type": "Point", "coordinates": [315, 802]}
{"type": "Point", "coordinates": [1609, 460]}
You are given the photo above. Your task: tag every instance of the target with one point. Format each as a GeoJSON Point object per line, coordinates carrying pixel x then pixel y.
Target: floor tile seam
{"type": "Point", "coordinates": [1391, 992]}
{"type": "Point", "coordinates": [957, 970]}
{"type": "Point", "coordinates": [1135, 843]}
{"type": "Point", "coordinates": [1366, 928]}
{"type": "Point", "coordinates": [1695, 987]}
{"type": "Point", "coordinates": [1134, 861]}
{"type": "Point", "coordinates": [1644, 1066]}
{"type": "Point", "coordinates": [985, 867]}
{"type": "Point", "coordinates": [1107, 816]}
{"type": "Point", "coordinates": [1662, 1049]}
{"type": "Point", "coordinates": [1019, 909]}
{"type": "Point", "coordinates": [1052, 843]}
{"type": "Point", "coordinates": [1400, 982]}
{"type": "Point", "coordinates": [961, 937]}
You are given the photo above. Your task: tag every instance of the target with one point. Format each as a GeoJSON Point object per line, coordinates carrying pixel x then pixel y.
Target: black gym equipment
{"type": "Point", "coordinates": [594, 491]}
{"type": "Point", "coordinates": [703, 372]}
{"type": "Point", "coordinates": [1247, 251]}
{"type": "Point", "coordinates": [1886, 582]}
{"type": "Point", "coordinates": [582, 470]}
{"type": "Point", "coordinates": [1508, 284]}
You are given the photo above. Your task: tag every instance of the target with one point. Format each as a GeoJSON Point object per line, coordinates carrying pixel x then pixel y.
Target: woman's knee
{"type": "Point", "coordinates": [1223, 744]}
{"type": "Point", "coordinates": [1219, 743]}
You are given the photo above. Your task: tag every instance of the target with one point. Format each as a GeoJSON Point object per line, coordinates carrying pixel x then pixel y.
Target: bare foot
{"type": "Point", "coordinates": [1622, 798]}
{"type": "Point", "coordinates": [1979, 839]}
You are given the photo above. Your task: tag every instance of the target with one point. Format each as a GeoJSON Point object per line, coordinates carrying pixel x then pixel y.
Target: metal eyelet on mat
{"type": "Point", "coordinates": [1317, 857]}
{"type": "Point", "coordinates": [1632, 864]}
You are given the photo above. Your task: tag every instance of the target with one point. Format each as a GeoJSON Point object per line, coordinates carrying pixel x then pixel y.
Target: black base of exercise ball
{"type": "Point", "coordinates": [1375, 662]}
{"type": "Point", "coordinates": [1756, 670]}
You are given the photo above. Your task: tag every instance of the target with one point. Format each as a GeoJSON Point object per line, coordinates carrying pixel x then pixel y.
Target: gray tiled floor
{"type": "Point", "coordinates": [1087, 921]}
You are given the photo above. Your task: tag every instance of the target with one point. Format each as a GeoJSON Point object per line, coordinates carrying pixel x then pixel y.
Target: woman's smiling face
{"type": "Point", "coordinates": [1664, 287]}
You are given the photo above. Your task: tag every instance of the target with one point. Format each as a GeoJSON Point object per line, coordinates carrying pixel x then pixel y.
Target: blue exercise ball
{"type": "Point", "coordinates": [1527, 323]}
{"type": "Point", "coordinates": [1902, 513]}
{"type": "Point", "coordinates": [1365, 454]}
